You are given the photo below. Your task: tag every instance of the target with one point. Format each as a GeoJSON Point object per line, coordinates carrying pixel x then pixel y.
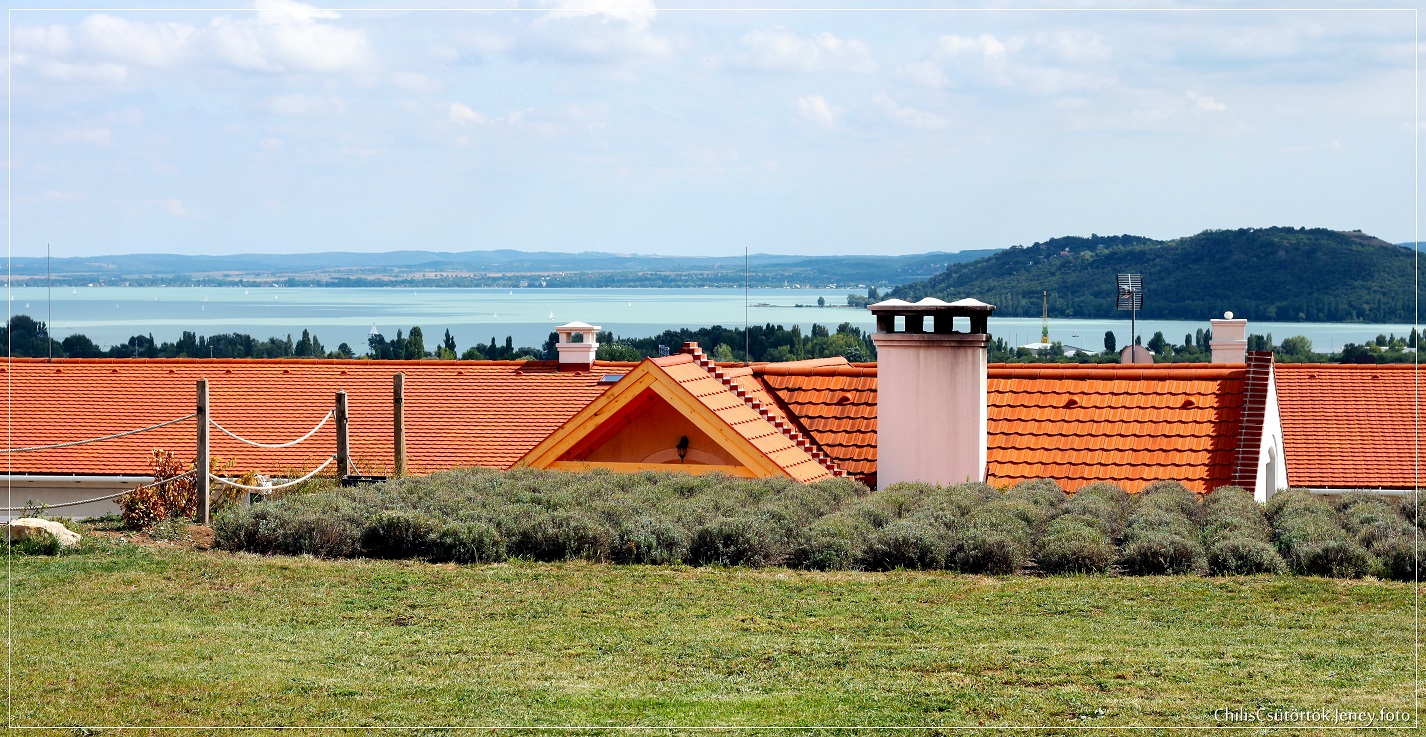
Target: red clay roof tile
{"type": "Point", "coordinates": [1350, 425]}
{"type": "Point", "coordinates": [466, 413]}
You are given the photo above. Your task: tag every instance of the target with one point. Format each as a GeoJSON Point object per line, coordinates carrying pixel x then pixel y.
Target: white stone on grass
{"type": "Point", "coordinates": [28, 527]}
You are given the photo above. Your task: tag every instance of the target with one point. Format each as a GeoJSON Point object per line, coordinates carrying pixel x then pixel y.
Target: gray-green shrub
{"type": "Point", "coordinates": [1311, 537]}
{"type": "Point", "coordinates": [914, 543]}
{"type": "Point", "coordinates": [833, 543]}
{"type": "Point", "coordinates": [1039, 492]}
{"type": "Point", "coordinates": [319, 524]}
{"type": "Point", "coordinates": [1401, 558]}
{"type": "Point", "coordinates": [990, 540]}
{"type": "Point", "coordinates": [1153, 553]}
{"type": "Point", "coordinates": [649, 540]}
{"type": "Point", "coordinates": [565, 534]}
{"type": "Point", "coordinates": [399, 533]}
{"type": "Point", "coordinates": [1241, 556]}
{"type": "Point", "coordinates": [1153, 520]}
{"type": "Point", "coordinates": [1171, 496]}
{"type": "Point", "coordinates": [1105, 502]}
{"type": "Point", "coordinates": [467, 542]}
{"type": "Point", "coordinates": [731, 541]}
{"type": "Point", "coordinates": [1074, 544]}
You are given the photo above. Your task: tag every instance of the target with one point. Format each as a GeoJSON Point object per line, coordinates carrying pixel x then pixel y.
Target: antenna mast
{"type": "Point", "coordinates": [1045, 317]}
{"type": "Point", "coordinates": [49, 304]}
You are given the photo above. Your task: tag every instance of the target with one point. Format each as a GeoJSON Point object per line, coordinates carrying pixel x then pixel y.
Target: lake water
{"type": "Point", "coordinates": [110, 315]}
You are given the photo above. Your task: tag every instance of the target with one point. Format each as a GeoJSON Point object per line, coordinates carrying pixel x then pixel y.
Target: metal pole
{"type": "Point", "coordinates": [49, 306]}
{"type": "Point", "coordinates": [200, 465]}
{"type": "Point", "coordinates": [344, 456]}
{"type": "Point", "coordinates": [398, 423]}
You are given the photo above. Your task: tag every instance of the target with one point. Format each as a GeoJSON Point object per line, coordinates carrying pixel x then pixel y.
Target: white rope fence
{"type": "Point", "coordinates": [105, 437]}
{"type": "Point", "coordinates": [293, 482]}
{"type": "Point", "coordinates": [99, 498]}
{"type": "Point", "coordinates": [288, 444]}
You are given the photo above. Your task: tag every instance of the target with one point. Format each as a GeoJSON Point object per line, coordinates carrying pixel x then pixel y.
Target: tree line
{"type": "Point", "coordinates": [30, 338]}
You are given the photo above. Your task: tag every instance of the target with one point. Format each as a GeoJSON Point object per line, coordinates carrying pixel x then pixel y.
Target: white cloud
{"type": "Point", "coordinates": [96, 136]}
{"type": "Point", "coordinates": [175, 207]}
{"type": "Point", "coordinates": [288, 11]}
{"type": "Point", "coordinates": [139, 44]}
{"type": "Point", "coordinates": [909, 117]}
{"type": "Point", "coordinates": [816, 109]}
{"type": "Point", "coordinates": [100, 74]}
{"type": "Point", "coordinates": [1073, 46]}
{"type": "Point", "coordinates": [1205, 103]}
{"type": "Point", "coordinates": [57, 196]}
{"type": "Point", "coordinates": [1047, 63]}
{"type": "Point", "coordinates": [782, 49]}
{"type": "Point", "coordinates": [43, 39]}
{"type": "Point", "coordinates": [577, 32]}
{"type": "Point", "coordinates": [282, 36]}
{"type": "Point", "coordinates": [297, 105]}
{"type": "Point", "coordinates": [415, 82]}
{"type": "Point", "coordinates": [924, 73]}
{"type": "Point", "coordinates": [985, 46]}
{"type": "Point", "coordinates": [637, 14]}
{"type": "Point", "coordinates": [463, 115]}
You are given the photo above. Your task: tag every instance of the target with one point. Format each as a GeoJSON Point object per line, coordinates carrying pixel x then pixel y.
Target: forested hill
{"type": "Point", "coordinates": [1283, 274]}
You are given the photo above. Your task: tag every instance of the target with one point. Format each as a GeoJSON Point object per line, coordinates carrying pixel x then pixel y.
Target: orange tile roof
{"type": "Point", "coordinates": [1075, 424]}
{"type": "Point", "coordinates": [1350, 425]}
{"type": "Point", "coordinates": [742, 418]}
{"type": "Point", "coordinates": [833, 404]}
{"type": "Point", "coordinates": [1131, 425]}
{"type": "Point", "coordinates": [458, 413]}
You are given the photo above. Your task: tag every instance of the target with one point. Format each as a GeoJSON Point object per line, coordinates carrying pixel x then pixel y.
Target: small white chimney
{"type": "Point", "coordinates": [931, 390]}
{"type": "Point", "coordinates": [578, 342]}
{"type": "Point", "coordinates": [1230, 339]}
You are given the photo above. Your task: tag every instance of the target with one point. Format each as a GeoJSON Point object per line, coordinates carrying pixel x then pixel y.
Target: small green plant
{"type": "Point", "coordinates": [45, 544]}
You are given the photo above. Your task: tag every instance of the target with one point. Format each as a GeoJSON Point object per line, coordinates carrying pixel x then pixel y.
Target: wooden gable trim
{"type": "Point", "coordinates": [548, 452]}
{"type": "Point", "coordinates": [696, 469]}
{"type": "Point", "coordinates": [717, 428]}
{"type": "Point", "coordinates": [566, 436]}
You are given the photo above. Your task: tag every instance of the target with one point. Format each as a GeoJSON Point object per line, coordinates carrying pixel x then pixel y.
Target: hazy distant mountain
{"type": "Point", "coordinates": [1281, 274]}
{"type": "Point", "coordinates": [344, 268]}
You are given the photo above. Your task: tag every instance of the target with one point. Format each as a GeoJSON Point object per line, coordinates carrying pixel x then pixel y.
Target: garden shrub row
{"type": "Point", "coordinates": [476, 516]}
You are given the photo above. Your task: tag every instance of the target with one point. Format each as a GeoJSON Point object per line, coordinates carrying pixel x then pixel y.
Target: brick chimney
{"type": "Point", "coordinates": [577, 345]}
{"type": "Point", "coordinates": [931, 390]}
{"type": "Point", "coordinates": [1230, 339]}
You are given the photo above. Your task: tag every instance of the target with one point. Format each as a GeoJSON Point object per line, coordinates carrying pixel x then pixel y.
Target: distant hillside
{"type": "Point", "coordinates": [1282, 274]}
{"type": "Point", "coordinates": [491, 268]}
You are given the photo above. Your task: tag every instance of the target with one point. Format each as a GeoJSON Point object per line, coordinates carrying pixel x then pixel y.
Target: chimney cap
{"type": "Point", "coordinates": [931, 305]}
{"type": "Point", "coordinates": [575, 326]}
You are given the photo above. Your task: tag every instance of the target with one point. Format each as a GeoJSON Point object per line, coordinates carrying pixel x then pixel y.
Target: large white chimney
{"type": "Point", "coordinates": [1230, 339]}
{"type": "Point", "coordinates": [931, 390]}
{"type": "Point", "coordinates": [577, 345]}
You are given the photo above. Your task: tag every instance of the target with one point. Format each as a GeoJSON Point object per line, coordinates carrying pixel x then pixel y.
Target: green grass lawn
{"type": "Point", "coordinates": [129, 635]}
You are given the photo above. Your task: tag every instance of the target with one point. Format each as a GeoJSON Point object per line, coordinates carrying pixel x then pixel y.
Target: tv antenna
{"type": "Point", "coordinates": [1131, 298]}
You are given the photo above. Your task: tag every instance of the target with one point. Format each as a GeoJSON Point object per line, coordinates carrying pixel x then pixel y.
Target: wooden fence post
{"type": "Point", "coordinates": [344, 458]}
{"type": "Point", "coordinates": [200, 465]}
{"type": "Point", "coordinates": [398, 423]}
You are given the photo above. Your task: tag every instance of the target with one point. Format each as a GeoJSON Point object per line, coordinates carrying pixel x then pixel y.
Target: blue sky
{"type": "Point", "coordinates": [633, 128]}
